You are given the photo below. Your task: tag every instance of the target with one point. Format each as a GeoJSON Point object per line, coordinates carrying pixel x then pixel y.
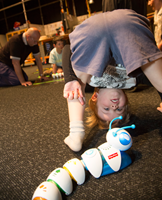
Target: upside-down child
{"type": "Point", "coordinates": [122, 35]}
{"type": "Point", "coordinates": [107, 102]}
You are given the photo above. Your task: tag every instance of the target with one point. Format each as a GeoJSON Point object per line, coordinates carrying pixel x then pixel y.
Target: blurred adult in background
{"type": "Point", "coordinates": [140, 6]}
{"type": "Point", "coordinates": [157, 7]}
{"type": "Point", "coordinates": [14, 53]}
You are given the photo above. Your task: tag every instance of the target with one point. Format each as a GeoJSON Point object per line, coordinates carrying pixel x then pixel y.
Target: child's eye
{"type": "Point", "coordinates": [119, 109]}
{"type": "Point", "coordinates": [106, 108]}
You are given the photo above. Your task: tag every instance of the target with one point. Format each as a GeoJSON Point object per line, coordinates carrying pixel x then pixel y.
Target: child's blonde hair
{"type": "Point", "coordinates": [93, 118]}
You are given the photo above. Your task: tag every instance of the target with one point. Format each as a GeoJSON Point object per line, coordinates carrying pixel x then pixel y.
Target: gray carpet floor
{"type": "Point", "coordinates": [33, 125]}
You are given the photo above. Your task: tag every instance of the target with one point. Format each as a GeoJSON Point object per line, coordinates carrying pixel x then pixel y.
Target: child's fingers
{"type": "Point", "coordinates": [159, 109]}
{"type": "Point", "coordinates": [81, 100]}
{"type": "Point", "coordinates": [66, 94]}
{"type": "Point", "coordinates": [80, 96]}
{"type": "Point", "coordinates": [75, 93]}
{"type": "Point", "coordinates": [80, 92]}
{"type": "Point", "coordinates": [71, 95]}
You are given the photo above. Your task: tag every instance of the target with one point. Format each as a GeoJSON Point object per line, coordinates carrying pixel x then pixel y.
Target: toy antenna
{"type": "Point", "coordinates": [120, 117]}
{"type": "Point", "coordinates": [126, 127]}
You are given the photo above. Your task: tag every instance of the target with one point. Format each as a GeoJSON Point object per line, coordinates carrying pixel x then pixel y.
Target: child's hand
{"type": "Point", "coordinates": [26, 83]}
{"type": "Point", "coordinates": [160, 107]}
{"type": "Point", "coordinates": [72, 90]}
{"type": "Point", "coordinates": [44, 78]}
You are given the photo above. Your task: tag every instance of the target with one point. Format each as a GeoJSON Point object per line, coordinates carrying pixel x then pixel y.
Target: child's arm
{"type": "Point", "coordinates": [52, 61]}
{"type": "Point", "coordinates": [72, 88]}
{"type": "Point", "coordinates": [54, 66]}
{"type": "Point", "coordinates": [69, 74]}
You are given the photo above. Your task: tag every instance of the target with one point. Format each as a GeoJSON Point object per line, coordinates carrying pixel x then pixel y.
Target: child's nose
{"type": "Point", "coordinates": [114, 106]}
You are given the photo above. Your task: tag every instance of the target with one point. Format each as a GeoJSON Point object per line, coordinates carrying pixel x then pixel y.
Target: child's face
{"type": "Point", "coordinates": [111, 103]}
{"type": "Point", "coordinates": [59, 45]}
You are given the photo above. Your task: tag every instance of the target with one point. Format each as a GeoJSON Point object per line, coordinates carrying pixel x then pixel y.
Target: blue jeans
{"type": "Point", "coordinates": [8, 76]}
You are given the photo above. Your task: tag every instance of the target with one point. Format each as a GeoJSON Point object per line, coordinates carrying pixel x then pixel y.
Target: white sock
{"type": "Point", "coordinates": [76, 136]}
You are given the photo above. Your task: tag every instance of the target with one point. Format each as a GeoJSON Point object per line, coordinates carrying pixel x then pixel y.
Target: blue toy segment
{"type": "Point", "coordinates": [126, 161]}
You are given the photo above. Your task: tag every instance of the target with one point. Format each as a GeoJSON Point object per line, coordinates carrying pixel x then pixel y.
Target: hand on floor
{"type": "Point", "coordinates": [27, 83]}
{"type": "Point", "coordinates": [44, 78]}
{"type": "Point", "coordinates": [160, 107]}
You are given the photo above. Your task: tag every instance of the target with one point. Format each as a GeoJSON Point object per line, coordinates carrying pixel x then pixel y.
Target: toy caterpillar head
{"type": "Point", "coordinates": [119, 138]}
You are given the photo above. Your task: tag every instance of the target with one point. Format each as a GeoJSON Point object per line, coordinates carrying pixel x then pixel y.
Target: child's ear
{"type": "Point", "coordinates": [94, 96]}
{"type": "Point", "coordinates": [54, 45]}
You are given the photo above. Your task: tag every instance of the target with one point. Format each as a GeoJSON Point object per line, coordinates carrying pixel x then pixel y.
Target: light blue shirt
{"type": "Point", "coordinates": [55, 58]}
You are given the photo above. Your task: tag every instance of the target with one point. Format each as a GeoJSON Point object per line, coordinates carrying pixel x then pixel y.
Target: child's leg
{"type": "Point", "coordinates": [144, 80]}
{"type": "Point", "coordinates": [153, 71]}
{"type": "Point", "coordinates": [76, 114]}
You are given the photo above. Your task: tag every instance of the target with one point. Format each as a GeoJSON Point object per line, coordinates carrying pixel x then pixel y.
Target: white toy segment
{"type": "Point", "coordinates": [93, 161]}
{"type": "Point", "coordinates": [58, 75]}
{"type": "Point", "coordinates": [76, 170]}
{"type": "Point", "coordinates": [111, 155]}
{"type": "Point", "coordinates": [47, 190]}
{"type": "Point", "coordinates": [62, 179]}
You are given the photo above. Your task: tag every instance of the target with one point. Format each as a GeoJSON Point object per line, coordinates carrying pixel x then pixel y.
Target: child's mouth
{"type": "Point", "coordinates": [115, 100]}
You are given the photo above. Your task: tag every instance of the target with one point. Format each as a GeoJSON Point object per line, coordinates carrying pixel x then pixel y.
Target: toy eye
{"type": "Point", "coordinates": [124, 138]}
{"type": "Point", "coordinates": [106, 108]}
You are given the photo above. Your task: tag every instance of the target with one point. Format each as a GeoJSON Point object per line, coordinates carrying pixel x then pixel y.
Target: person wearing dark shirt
{"type": "Point", "coordinates": [14, 53]}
